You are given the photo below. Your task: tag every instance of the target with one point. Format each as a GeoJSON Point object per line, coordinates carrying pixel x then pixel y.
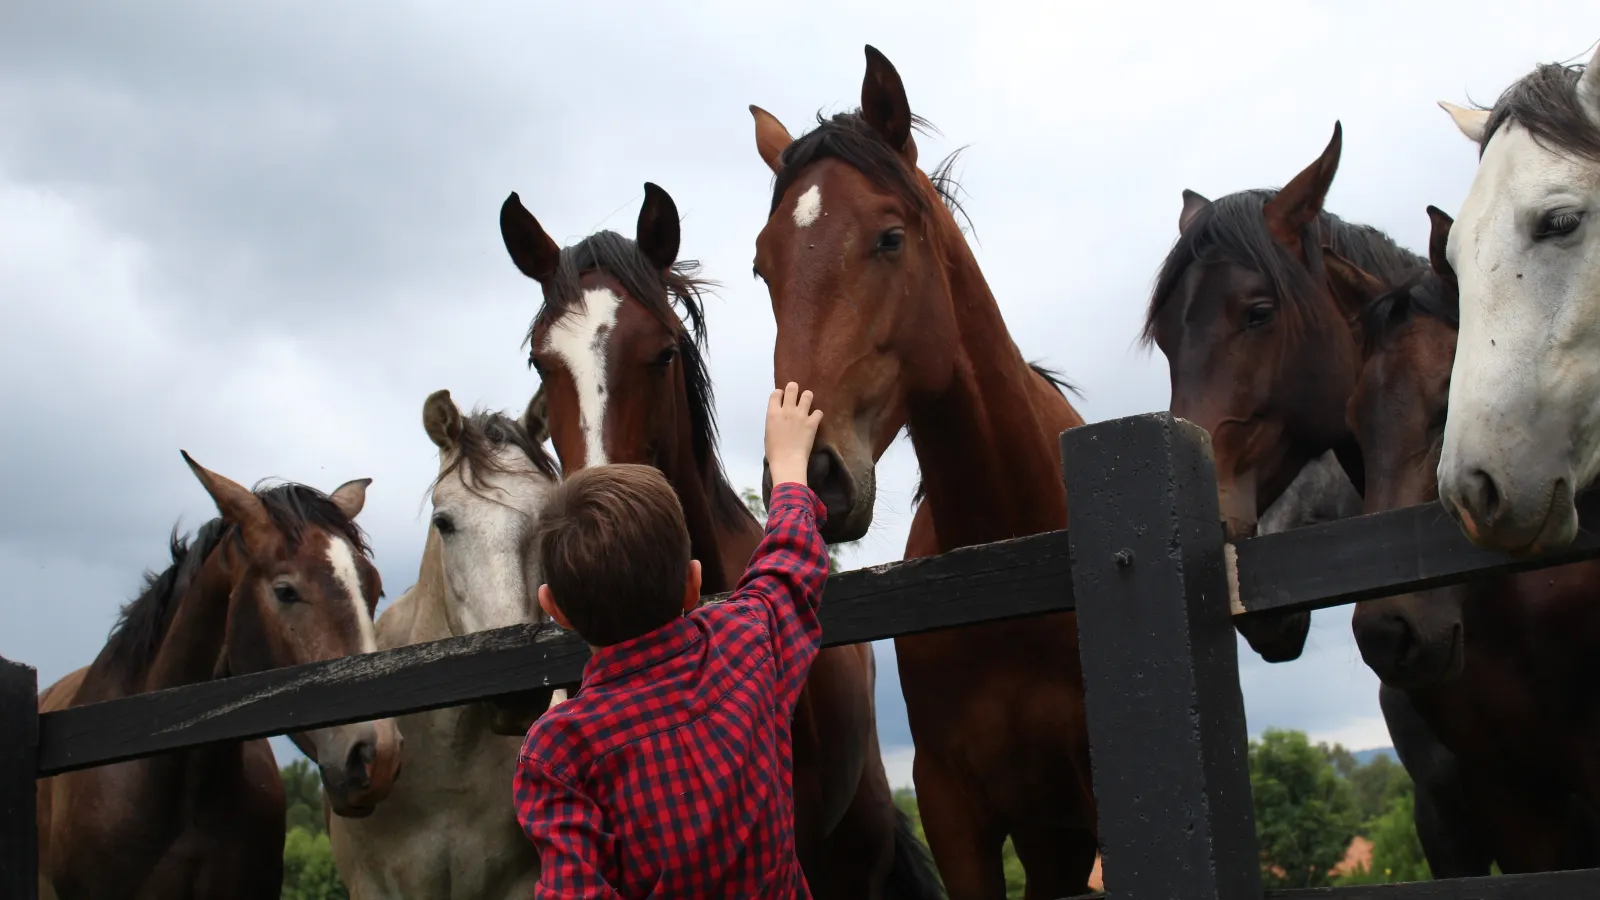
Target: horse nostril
{"type": "Point", "coordinates": [819, 469]}
{"type": "Point", "coordinates": [358, 765]}
{"type": "Point", "coordinates": [1483, 495]}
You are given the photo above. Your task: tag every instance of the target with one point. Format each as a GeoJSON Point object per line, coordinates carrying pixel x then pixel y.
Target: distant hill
{"type": "Point", "coordinates": [1365, 756]}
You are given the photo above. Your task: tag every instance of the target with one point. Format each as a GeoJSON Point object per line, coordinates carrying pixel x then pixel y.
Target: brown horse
{"type": "Point", "coordinates": [1261, 355]}
{"type": "Point", "coordinates": [281, 578]}
{"type": "Point", "coordinates": [625, 382]}
{"type": "Point", "coordinates": [883, 313]}
{"type": "Point", "coordinates": [1500, 669]}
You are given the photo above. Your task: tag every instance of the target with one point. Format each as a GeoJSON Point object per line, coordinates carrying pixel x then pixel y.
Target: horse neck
{"type": "Point", "coordinates": [716, 543]}
{"type": "Point", "coordinates": [987, 445]}
{"type": "Point", "coordinates": [192, 647]}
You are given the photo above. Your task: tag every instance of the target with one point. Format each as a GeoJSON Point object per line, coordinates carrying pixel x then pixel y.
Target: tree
{"type": "Point", "coordinates": [1396, 850]}
{"type": "Point", "coordinates": [302, 792]}
{"type": "Point", "coordinates": [752, 501]}
{"type": "Point", "coordinates": [308, 870]}
{"type": "Point", "coordinates": [1306, 813]}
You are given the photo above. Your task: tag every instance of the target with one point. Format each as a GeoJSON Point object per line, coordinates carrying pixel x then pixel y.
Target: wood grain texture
{"type": "Point", "coordinates": [996, 581]}
{"type": "Point", "coordinates": [1579, 885]}
{"type": "Point", "coordinates": [19, 734]}
{"type": "Point", "coordinates": [1383, 554]}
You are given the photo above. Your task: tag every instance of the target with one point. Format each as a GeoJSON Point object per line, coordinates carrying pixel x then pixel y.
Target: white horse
{"type": "Point", "coordinates": [448, 830]}
{"type": "Point", "coordinates": [1523, 434]}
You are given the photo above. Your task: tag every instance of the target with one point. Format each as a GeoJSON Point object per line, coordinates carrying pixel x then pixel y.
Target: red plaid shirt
{"type": "Point", "coordinates": [670, 773]}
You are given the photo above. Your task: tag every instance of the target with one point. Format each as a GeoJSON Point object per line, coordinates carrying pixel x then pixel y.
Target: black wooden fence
{"type": "Point", "coordinates": [1158, 589]}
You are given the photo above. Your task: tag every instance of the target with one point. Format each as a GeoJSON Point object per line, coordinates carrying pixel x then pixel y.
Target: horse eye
{"type": "Point", "coordinates": [285, 593]}
{"type": "Point", "coordinates": [891, 240]}
{"type": "Point", "coordinates": [1558, 224]}
{"type": "Point", "coordinates": [444, 524]}
{"type": "Point", "coordinates": [665, 358]}
{"type": "Point", "coordinates": [1259, 314]}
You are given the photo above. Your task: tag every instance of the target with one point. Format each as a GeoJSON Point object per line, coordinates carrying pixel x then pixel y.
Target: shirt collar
{"type": "Point", "coordinates": [655, 647]}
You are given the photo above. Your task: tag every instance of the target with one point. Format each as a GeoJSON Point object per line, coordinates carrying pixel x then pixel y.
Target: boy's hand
{"type": "Point", "coordinates": [791, 428]}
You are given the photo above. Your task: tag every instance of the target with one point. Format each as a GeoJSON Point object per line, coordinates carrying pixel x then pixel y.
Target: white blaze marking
{"type": "Point", "coordinates": [343, 561]}
{"type": "Point", "coordinates": [808, 207]}
{"type": "Point", "coordinates": [579, 338]}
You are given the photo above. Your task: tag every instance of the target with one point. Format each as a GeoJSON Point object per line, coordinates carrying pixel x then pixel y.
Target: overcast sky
{"type": "Point", "coordinates": [264, 232]}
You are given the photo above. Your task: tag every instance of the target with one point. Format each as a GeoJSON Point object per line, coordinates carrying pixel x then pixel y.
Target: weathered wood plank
{"type": "Point", "coordinates": [19, 736]}
{"type": "Point", "coordinates": [997, 581]}
{"type": "Point", "coordinates": [1161, 673]}
{"type": "Point", "coordinates": [1583, 884]}
{"type": "Point", "coordinates": [1383, 554]}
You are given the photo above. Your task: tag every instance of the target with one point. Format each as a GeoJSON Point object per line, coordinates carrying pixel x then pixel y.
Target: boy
{"type": "Point", "coordinates": [670, 773]}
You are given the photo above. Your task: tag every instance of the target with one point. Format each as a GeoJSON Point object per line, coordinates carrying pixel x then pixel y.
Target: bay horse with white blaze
{"type": "Point", "coordinates": [282, 578]}
{"type": "Point", "coordinates": [626, 382]}
{"type": "Point", "coordinates": [450, 830]}
{"type": "Point", "coordinates": [884, 315]}
{"type": "Point", "coordinates": [1500, 668]}
{"type": "Point", "coordinates": [1524, 436]}
{"type": "Point", "coordinates": [1260, 353]}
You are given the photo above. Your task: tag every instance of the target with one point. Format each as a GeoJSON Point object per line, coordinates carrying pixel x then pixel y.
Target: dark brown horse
{"type": "Point", "coordinates": [281, 578]}
{"type": "Point", "coordinates": [883, 313]}
{"type": "Point", "coordinates": [1500, 669]}
{"type": "Point", "coordinates": [625, 381]}
{"type": "Point", "coordinates": [1261, 355]}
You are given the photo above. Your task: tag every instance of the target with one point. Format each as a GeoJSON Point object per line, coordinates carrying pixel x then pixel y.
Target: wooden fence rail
{"type": "Point", "coordinates": [1145, 566]}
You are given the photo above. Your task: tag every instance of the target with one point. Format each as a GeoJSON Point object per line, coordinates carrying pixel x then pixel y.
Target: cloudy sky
{"type": "Point", "coordinates": [264, 232]}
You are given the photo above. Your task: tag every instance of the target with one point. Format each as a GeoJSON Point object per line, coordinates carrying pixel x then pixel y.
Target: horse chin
{"type": "Point", "coordinates": [1275, 637]}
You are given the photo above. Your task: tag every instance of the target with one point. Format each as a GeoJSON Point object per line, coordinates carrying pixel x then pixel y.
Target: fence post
{"type": "Point", "coordinates": [19, 755]}
{"type": "Point", "coordinates": [1161, 672]}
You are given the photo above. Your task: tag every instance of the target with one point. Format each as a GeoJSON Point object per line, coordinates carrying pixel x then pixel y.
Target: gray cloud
{"type": "Point", "coordinates": [265, 232]}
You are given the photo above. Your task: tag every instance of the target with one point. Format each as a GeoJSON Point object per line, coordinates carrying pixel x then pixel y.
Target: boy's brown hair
{"type": "Point", "coordinates": [615, 552]}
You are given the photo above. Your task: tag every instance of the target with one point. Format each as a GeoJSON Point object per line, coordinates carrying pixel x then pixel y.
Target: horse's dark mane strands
{"type": "Point", "coordinates": [482, 434]}
{"type": "Point", "coordinates": [142, 622]}
{"type": "Point", "coordinates": [1547, 103]}
{"type": "Point", "coordinates": [1234, 228]}
{"type": "Point", "coordinates": [621, 258]}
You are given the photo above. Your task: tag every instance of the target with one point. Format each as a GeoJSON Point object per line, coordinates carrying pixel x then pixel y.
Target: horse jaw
{"type": "Point", "coordinates": [1523, 433]}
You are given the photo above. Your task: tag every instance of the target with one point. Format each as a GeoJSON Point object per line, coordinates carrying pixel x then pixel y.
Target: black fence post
{"type": "Point", "coordinates": [19, 753]}
{"type": "Point", "coordinates": [1161, 673]}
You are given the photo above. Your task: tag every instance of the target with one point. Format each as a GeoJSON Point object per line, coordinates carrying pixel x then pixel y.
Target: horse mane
{"type": "Point", "coordinates": [1425, 294]}
{"type": "Point", "coordinates": [848, 138]}
{"type": "Point", "coordinates": [1234, 229]}
{"type": "Point", "coordinates": [1546, 102]}
{"type": "Point", "coordinates": [662, 295]}
{"type": "Point", "coordinates": [142, 623]}
{"type": "Point", "coordinates": [483, 433]}
{"type": "Point", "coordinates": [1051, 377]}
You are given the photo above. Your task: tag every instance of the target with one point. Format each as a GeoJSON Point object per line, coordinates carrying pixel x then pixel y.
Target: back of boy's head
{"type": "Point", "coordinates": [615, 552]}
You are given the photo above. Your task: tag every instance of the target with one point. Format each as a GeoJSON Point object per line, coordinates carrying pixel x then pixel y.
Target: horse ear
{"type": "Point", "coordinates": [771, 138]}
{"type": "Point", "coordinates": [351, 497]}
{"type": "Point", "coordinates": [1299, 203]}
{"type": "Point", "coordinates": [1351, 286]}
{"type": "Point", "coordinates": [239, 505]}
{"type": "Point", "coordinates": [536, 418]}
{"type": "Point", "coordinates": [442, 420]}
{"type": "Point", "coordinates": [1474, 123]}
{"type": "Point", "coordinates": [1192, 205]}
{"type": "Point", "coordinates": [1589, 86]}
{"type": "Point", "coordinates": [531, 249]}
{"type": "Point", "coordinates": [1438, 242]}
{"type": "Point", "coordinates": [658, 230]}
{"type": "Point", "coordinates": [883, 100]}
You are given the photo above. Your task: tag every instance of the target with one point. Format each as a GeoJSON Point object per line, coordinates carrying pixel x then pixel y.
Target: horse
{"type": "Point", "coordinates": [1498, 668]}
{"type": "Point", "coordinates": [883, 313]}
{"type": "Point", "coordinates": [627, 383]}
{"type": "Point", "coordinates": [1260, 354]}
{"type": "Point", "coordinates": [1525, 434]}
{"type": "Point", "coordinates": [281, 578]}
{"type": "Point", "coordinates": [450, 829]}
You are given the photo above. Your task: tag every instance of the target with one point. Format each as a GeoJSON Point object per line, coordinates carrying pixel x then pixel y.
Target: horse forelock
{"type": "Point", "coordinates": [1546, 102]}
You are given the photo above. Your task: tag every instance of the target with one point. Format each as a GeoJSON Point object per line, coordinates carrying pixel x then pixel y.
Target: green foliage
{"type": "Point", "coordinates": [1396, 850]}
{"type": "Point", "coordinates": [1306, 814]}
{"type": "Point", "coordinates": [752, 501]}
{"type": "Point", "coordinates": [308, 871]}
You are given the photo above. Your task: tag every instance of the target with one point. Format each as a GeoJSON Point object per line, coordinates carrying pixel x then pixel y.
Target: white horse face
{"type": "Point", "coordinates": [486, 502]}
{"type": "Point", "coordinates": [1523, 433]}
